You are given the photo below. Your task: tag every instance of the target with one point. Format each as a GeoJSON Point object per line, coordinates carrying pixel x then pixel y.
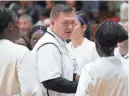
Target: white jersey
{"type": "Point", "coordinates": [107, 76]}
{"type": "Point", "coordinates": [53, 61]}
{"type": "Point", "coordinates": [15, 75]}
{"type": "Point", "coordinates": [83, 54]}
{"type": "Point", "coordinates": [117, 53]}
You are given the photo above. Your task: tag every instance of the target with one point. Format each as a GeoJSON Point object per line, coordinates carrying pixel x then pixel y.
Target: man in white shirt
{"type": "Point", "coordinates": [17, 78]}
{"type": "Point", "coordinates": [54, 64]}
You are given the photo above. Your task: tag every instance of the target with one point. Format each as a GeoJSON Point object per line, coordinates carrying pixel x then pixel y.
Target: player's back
{"type": "Point", "coordinates": [10, 57]}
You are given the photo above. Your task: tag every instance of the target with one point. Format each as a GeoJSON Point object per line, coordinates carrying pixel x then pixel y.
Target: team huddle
{"type": "Point", "coordinates": [56, 68]}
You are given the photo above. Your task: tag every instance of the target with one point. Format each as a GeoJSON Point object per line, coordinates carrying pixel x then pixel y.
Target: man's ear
{"type": "Point", "coordinates": [52, 22]}
{"type": "Point", "coordinates": [10, 26]}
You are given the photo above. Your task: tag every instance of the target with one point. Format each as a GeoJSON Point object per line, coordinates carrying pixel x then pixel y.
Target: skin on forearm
{"type": "Point", "coordinates": [77, 77]}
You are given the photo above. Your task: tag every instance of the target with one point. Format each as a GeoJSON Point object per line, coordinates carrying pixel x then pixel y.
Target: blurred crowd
{"type": "Point", "coordinates": [35, 13]}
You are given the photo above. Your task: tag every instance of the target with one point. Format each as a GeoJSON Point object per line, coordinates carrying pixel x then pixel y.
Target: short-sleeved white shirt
{"type": "Point", "coordinates": [107, 76]}
{"type": "Point", "coordinates": [83, 54]}
{"type": "Point", "coordinates": [51, 63]}
{"type": "Point", "coordinates": [15, 76]}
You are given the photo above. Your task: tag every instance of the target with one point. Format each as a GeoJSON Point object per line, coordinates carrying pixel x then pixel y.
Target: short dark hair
{"type": "Point", "coordinates": [110, 33]}
{"type": "Point", "coordinates": [60, 8]}
{"type": "Point", "coordinates": [6, 16]}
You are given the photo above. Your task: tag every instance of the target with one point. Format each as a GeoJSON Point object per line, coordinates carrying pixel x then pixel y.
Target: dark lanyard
{"type": "Point", "coordinates": [53, 36]}
{"type": "Point", "coordinates": [50, 43]}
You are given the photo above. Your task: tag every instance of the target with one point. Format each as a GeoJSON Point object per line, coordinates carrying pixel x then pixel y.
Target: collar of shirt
{"type": "Point", "coordinates": [85, 40]}
{"type": "Point", "coordinates": [61, 42]}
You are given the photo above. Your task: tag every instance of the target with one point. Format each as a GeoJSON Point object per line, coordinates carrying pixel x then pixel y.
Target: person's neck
{"type": "Point", "coordinates": [124, 50]}
{"type": "Point", "coordinates": [107, 54]}
{"type": "Point", "coordinates": [6, 37]}
{"type": "Point", "coordinates": [77, 42]}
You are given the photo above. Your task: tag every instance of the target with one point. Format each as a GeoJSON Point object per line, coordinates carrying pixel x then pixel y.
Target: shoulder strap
{"type": "Point", "coordinates": [49, 43]}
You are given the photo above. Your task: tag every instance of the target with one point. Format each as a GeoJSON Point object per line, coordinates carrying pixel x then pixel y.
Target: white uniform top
{"type": "Point", "coordinates": [15, 75]}
{"type": "Point", "coordinates": [51, 63]}
{"type": "Point", "coordinates": [117, 53]}
{"type": "Point", "coordinates": [83, 54]}
{"type": "Point", "coordinates": [107, 76]}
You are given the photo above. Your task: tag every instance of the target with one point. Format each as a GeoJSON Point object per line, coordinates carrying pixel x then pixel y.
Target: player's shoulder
{"type": "Point", "coordinates": [89, 42]}
{"type": "Point", "coordinates": [20, 48]}
{"type": "Point", "coordinates": [93, 65]}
